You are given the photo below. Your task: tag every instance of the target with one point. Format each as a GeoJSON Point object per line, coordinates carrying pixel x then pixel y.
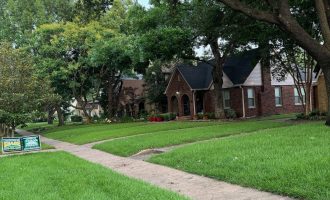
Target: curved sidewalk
{"type": "Point", "coordinates": [190, 185]}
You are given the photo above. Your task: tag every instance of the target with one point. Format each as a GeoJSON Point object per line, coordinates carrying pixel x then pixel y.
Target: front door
{"type": "Point", "coordinates": [186, 105]}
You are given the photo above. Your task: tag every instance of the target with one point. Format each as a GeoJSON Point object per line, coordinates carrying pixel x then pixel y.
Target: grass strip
{"type": "Point", "coordinates": [291, 160]}
{"type": "Point", "coordinates": [59, 175]}
{"type": "Point", "coordinates": [82, 134]}
{"type": "Point", "coordinates": [132, 145]}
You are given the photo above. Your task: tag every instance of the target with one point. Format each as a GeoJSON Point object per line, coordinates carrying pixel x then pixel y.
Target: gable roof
{"type": "Point", "coordinates": [198, 77]}
{"type": "Point", "coordinates": [237, 68]}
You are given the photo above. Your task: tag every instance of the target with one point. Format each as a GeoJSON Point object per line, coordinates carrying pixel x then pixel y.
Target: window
{"type": "Point", "coordinates": [297, 99]}
{"type": "Point", "coordinates": [226, 99]}
{"type": "Point", "coordinates": [278, 96]}
{"type": "Point", "coordinates": [251, 98]}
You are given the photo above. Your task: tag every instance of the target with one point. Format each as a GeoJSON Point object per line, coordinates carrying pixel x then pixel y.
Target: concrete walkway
{"type": "Point", "coordinates": [192, 186]}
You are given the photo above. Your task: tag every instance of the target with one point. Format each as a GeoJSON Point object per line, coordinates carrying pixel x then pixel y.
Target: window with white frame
{"type": "Point", "coordinates": [226, 99]}
{"type": "Point", "coordinates": [251, 98]}
{"type": "Point", "coordinates": [297, 99]}
{"type": "Point", "coordinates": [278, 96]}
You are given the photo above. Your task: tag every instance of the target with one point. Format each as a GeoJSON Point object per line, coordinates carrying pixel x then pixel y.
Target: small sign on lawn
{"type": "Point", "coordinates": [11, 144]}
{"type": "Point", "coordinates": [28, 143]}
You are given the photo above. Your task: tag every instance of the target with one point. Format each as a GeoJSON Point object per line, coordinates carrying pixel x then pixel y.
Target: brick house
{"type": "Point", "coordinates": [249, 89]}
{"type": "Point", "coordinates": [320, 92]}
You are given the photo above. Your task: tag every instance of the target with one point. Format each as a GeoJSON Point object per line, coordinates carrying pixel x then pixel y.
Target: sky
{"type": "Point", "coordinates": [144, 2]}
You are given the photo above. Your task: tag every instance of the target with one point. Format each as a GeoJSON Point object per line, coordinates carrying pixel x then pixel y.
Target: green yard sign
{"type": "Point", "coordinates": [14, 144]}
{"type": "Point", "coordinates": [11, 144]}
{"type": "Point", "coordinates": [30, 143]}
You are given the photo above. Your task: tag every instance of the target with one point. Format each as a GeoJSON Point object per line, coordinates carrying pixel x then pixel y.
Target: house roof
{"type": "Point", "coordinates": [237, 67]}
{"type": "Point", "coordinates": [198, 77]}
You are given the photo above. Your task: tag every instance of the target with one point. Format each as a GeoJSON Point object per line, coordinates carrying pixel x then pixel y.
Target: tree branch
{"type": "Point", "coordinates": [251, 12]}
{"type": "Point", "coordinates": [324, 24]}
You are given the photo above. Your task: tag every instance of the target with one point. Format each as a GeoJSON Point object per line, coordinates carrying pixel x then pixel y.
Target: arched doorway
{"type": "Point", "coordinates": [174, 103]}
{"type": "Point", "coordinates": [186, 105]}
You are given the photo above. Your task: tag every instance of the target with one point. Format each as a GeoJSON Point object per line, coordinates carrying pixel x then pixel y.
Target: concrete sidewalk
{"type": "Point", "coordinates": [190, 185]}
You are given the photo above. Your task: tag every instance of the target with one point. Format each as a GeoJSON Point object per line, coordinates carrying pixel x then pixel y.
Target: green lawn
{"type": "Point", "coordinates": [59, 175]}
{"type": "Point", "coordinates": [132, 145]}
{"type": "Point", "coordinates": [279, 116]}
{"type": "Point", "coordinates": [82, 134]}
{"type": "Point", "coordinates": [39, 125]}
{"type": "Point", "coordinates": [293, 160]}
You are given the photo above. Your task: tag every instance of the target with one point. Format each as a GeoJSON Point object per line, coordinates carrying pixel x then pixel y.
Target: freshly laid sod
{"type": "Point", "coordinates": [132, 145]}
{"type": "Point", "coordinates": [291, 161]}
{"type": "Point", "coordinates": [62, 176]}
{"type": "Point", "coordinates": [82, 134]}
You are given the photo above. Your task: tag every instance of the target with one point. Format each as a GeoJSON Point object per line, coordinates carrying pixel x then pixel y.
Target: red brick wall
{"type": "Point", "coordinates": [179, 84]}
{"type": "Point", "coordinates": [264, 98]}
{"type": "Point", "coordinates": [288, 105]}
{"type": "Point", "coordinates": [236, 100]}
{"type": "Point", "coordinates": [208, 101]}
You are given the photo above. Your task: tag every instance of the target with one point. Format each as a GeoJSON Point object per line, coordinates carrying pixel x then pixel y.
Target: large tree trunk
{"type": "Point", "coordinates": [113, 91]}
{"type": "Point", "coordinates": [60, 115]}
{"type": "Point", "coordinates": [50, 118]}
{"type": "Point", "coordinates": [217, 80]}
{"type": "Point", "coordinates": [326, 72]}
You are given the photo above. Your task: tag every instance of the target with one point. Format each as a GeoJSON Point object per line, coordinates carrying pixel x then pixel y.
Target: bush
{"type": "Point", "coordinates": [314, 115]}
{"type": "Point", "coordinates": [210, 115]}
{"type": "Point", "coordinates": [301, 116]}
{"type": "Point", "coordinates": [162, 117]}
{"type": "Point", "coordinates": [230, 114]}
{"type": "Point", "coordinates": [76, 118]}
{"type": "Point", "coordinates": [126, 119]}
{"type": "Point", "coordinates": [200, 115]}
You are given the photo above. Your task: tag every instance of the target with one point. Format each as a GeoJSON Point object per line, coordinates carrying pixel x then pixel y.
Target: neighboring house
{"type": "Point", "coordinates": [94, 109]}
{"type": "Point", "coordinates": [132, 99]}
{"type": "Point", "coordinates": [249, 89]}
{"type": "Point", "coordinates": [321, 98]}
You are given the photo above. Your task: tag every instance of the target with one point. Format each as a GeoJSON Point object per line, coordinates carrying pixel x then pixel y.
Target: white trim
{"type": "Point", "coordinates": [224, 100]}
{"type": "Point", "coordinates": [254, 97]}
{"type": "Point", "coordinates": [243, 102]}
{"type": "Point", "coordinates": [281, 96]}
{"type": "Point", "coordinates": [194, 102]}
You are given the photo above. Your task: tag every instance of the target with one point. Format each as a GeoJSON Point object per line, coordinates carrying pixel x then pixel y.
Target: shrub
{"type": "Point", "coordinates": [200, 115]}
{"type": "Point", "coordinates": [126, 119]}
{"type": "Point", "coordinates": [210, 115]}
{"type": "Point", "coordinates": [162, 117]}
{"type": "Point", "coordinates": [76, 118]}
{"type": "Point", "coordinates": [314, 115]}
{"type": "Point", "coordinates": [230, 114]}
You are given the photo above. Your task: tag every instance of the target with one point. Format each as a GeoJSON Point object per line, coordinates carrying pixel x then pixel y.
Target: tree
{"type": "Point", "coordinates": [19, 18]}
{"type": "Point", "coordinates": [205, 24]}
{"type": "Point", "coordinates": [62, 53]}
{"type": "Point", "coordinates": [91, 10]}
{"type": "Point", "coordinates": [291, 16]}
{"type": "Point", "coordinates": [112, 58]}
{"type": "Point", "coordinates": [291, 60]}
{"type": "Point", "coordinates": [156, 82]}
{"type": "Point", "coordinates": [20, 91]}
